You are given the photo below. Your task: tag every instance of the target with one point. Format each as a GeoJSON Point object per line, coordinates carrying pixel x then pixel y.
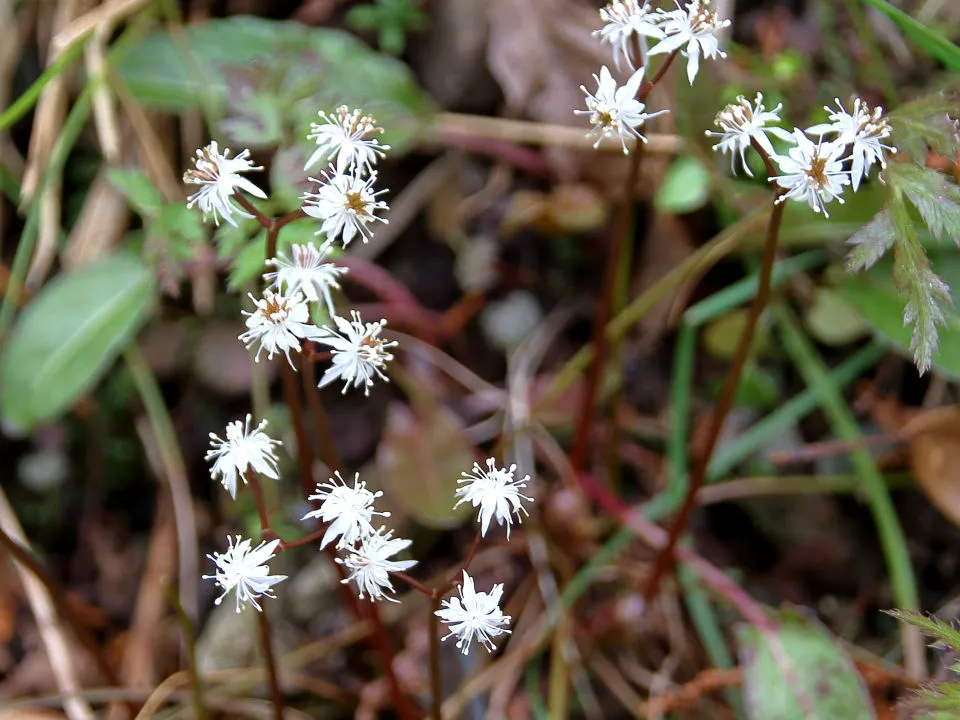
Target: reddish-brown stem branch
{"type": "Point", "coordinates": [305, 540]}
{"type": "Point", "coordinates": [656, 537]}
{"type": "Point", "coordinates": [466, 564]}
{"type": "Point", "coordinates": [381, 640]}
{"type": "Point", "coordinates": [416, 584]}
{"type": "Point", "coordinates": [618, 240]}
{"type": "Point", "coordinates": [264, 221]}
{"type": "Point", "coordinates": [722, 408]}
{"type": "Point", "coordinates": [58, 596]}
{"type": "Point", "coordinates": [321, 424]}
{"type": "Point", "coordinates": [436, 686]}
{"type": "Point", "coordinates": [291, 396]}
{"type": "Point", "coordinates": [273, 680]}
{"type": "Point", "coordinates": [254, 482]}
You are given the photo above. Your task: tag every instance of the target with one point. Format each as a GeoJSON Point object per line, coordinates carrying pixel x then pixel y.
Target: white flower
{"type": "Point", "coordinates": [307, 273]}
{"type": "Point", "coordinates": [349, 136]}
{"type": "Point", "coordinates": [371, 565]}
{"type": "Point", "coordinates": [245, 571]}
{"type": "Point", "coordinates": [863, 130]}
{"type": "Point", "coordinates": [346, 204]}
{"type": "Point", "coordinates": [219, 178]}
{"type": "Point", "coordinates": [478, 615]}
{"type": "Point", "coordinates": [495, 492]}
{"type": "Point", "coordinates": [812, 173]}
{"type": "Point", "coordinates": [741, 124]}
{"type": "Point", "coordinates": [624, 19]}
{"type": "Point", "coordinates": [243, 449]}
{"type": "Point", "coordinates": [692, 30]}
{"type": "Point", "coordinates": [614, 112]}
{"type": "Point", "coordinates": [359, 353]}
{"type": "Point", "coordinates": [348, 510]}
{"type": "Point", "coordinates": [278, 324]}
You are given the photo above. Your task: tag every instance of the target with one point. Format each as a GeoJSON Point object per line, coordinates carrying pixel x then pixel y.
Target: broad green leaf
{"type": "Point", "coordinates": [875, 296]}
{"type": "Point", "coordinates": [268, 79]}
{"type": "Point", "coordinates": [807, 677]}
{"type": "Point", "coordinates": [69, 335]}
{"type": "Point", "coordinates": [933, 43]}
{"type": "Point", "coordinates": [685, 188]}
{"type": "Point", "coordinates": [138, 189]}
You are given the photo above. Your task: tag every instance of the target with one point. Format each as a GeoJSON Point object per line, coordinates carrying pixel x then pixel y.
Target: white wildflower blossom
{"type": "Point", "coordinates": [863, 130]}
{"type": "Point", "coordinates": [495, 492]}
{"type": "Point", "coordinates": [813, 174]}
{"type": "Point", "coordinates": [625, 21]}
{"type": "Point", "coordinates": [242, 450]}
{"type": "Point", "coordinates": [219, 177]}
{"type": "Point", "coordinates": [346, 204]}
{"type": "Point", "coordinates": [692, 29]}
{"type": "Point", "coordinates": [307, 272]}
{"type": "Point", "coordinates": [278, 324]}
{"type": "Point", "coordinates": [742, 123]}
{"type": "Point", "coordinates": [371, 565]}
{"type": "Point", "coordinates": [349, 510]}
{"type": "Point", "coordinates": [614, 112]}
{"type": "Point", "coordinates": [474, 614]}
{"type": "Point", "coordinates": [359, 353]}
{"type": "Point", "coordinates": [245, 571]}
{"type": "Point", "coordinates": [349, 137]}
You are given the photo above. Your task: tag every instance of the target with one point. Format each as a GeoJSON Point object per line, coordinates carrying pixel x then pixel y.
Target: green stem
{"type": "Point", "coordinates": [190, 643]}
{"type": "Point", "coordinates": [892, 540]}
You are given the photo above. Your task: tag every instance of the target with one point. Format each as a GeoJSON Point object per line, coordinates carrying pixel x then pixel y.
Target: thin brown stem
{"type": "Point", "coordinates": [466, 564]}
{"type": "Point", "coordinates": [436, 686]}
{"type": "Point", "coordinates": [618, 241]}
{"type": "Point", "coordinates": [291, 397]}
{"type": "Point", "coordinates": [306, 540]}
{"type": "Point", "coordinates": [26, 558]}
{"type": "Point", "coordinates": [273, 680]}
{"type": "Point", "coordinates": [416, 584]}
{"type": "Point", "coordinates": [254, 482]}
{"type": "Point", "coordinates": [264, 221]}
{"type": "Point", "coordinates": [381, 641]}
{"type": "Point", "coordinates": [321, 424]}
{"type": "Point", "coordinates": [731, 382]}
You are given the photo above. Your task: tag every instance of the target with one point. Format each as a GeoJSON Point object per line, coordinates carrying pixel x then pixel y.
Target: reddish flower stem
{"type": "Point", "coordinates": [273, 679]}
{"type": "Point", "coordinates": [618, 241]}
{"type": "Point", "coordinates": [731, 383]}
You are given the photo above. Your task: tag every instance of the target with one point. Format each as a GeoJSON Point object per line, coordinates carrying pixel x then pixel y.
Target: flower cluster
{"type": "Point", "coordinates": [347, 206]}
{"type": "Point", "coordinates": [616, 112]}
{"type": "Point", "coordinates": [812, 172]}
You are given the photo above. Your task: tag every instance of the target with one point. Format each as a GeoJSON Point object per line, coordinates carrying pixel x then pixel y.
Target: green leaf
{"type": "Point", "coordinates": [685, 188]}
{"type": "Point", "coordinates": [268, 79]}
{"type": "Point", "coordinates": [875, 296]}
{"type": "Point", "coordinates": [138, 189]}
{"type": "Point", "coordinates": [69, 335]}
{"type": "Point", "coordinates": [871, 242]}
{"type": "Point", "coordinates": [808, 664]}
{"type": "Point", "coordinates": [933, 43]}
{"type": "Point", "coordinates": [935, 197]}
{"type": "Point", "coordinates": [925, 122]}
{"type": "Point", "coordinates": [932, 626]}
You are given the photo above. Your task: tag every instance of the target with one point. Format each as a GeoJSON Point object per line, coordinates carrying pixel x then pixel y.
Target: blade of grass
{"type": "Point", "coordinates": [789, 414]}
{"type": "Point", "coordinates": [933, 43]}
{"type": "Point", "coordinates": [22, 105]}
{"type": "Point", "coordinates": [892, 540]}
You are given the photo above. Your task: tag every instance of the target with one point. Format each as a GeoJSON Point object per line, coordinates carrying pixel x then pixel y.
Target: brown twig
{"type": "Point", "coordinates": [321, 424]}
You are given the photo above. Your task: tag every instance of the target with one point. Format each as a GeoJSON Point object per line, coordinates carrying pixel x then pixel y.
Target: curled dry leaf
{"type": "Point", "coordinates": [933, 440]}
